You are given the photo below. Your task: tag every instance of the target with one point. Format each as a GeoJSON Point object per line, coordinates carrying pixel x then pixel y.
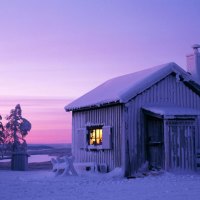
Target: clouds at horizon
{"type": "Point", "coordinates": [50, 122]}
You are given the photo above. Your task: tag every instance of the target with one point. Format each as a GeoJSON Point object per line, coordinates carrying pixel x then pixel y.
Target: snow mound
{"type": "Point", "coordinates": [43, 185]}
{"type": "Point", "coordinates": [116, 173]}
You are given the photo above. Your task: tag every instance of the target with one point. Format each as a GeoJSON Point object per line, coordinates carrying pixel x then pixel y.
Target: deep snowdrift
{"type": "Point", "coordinates": [44, 185]}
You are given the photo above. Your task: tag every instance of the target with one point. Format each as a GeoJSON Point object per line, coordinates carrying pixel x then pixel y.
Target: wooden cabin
{"type": "Point", "coordinates": [152, 115]}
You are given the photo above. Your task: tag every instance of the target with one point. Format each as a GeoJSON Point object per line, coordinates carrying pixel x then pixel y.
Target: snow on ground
{"type": "Point", "coordinates": [44, 185]}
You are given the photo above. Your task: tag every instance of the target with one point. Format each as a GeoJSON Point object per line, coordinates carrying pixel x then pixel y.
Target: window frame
{"type": "Point", "coordinates": [83, 137]}
{"type": "Point", "coordinates": [95, 128]}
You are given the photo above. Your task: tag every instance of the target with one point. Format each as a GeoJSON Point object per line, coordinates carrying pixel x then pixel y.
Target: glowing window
{"type": "Point", "coordinates": [95, 136]}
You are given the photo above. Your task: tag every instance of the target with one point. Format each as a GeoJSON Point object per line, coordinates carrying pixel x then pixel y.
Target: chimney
{"type": "Point", "coordinates": [193, 63]}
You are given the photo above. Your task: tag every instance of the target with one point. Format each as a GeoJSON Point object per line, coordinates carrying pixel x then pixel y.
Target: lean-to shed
{"type": "Point", "coordinates": [152, 115]}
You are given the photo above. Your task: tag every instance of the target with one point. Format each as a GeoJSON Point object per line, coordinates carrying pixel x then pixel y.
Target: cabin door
{"type": "Point", "coordinates": [155, 147]}
{"type": "Point", "coordinates": [181, 134]}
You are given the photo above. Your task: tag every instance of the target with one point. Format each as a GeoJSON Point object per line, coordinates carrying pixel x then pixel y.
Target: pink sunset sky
{"type": "Point", "coordinates": [53, 51]}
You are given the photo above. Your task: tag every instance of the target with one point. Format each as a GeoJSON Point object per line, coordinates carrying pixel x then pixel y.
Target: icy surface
{"type": "Point", "coordinates": [39, 158]}
{"type": "Point", "coordinates": [123, 88]}
{"type": "Point", "coordinates": [35, 158]}
{"type": "Point", "coordinates": [43, 185]}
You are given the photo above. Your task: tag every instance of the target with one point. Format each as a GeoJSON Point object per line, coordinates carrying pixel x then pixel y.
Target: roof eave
{"type": "Point", "coordinates": [126, 97]}
{"type": "Point", "coordinates": [93, 106]}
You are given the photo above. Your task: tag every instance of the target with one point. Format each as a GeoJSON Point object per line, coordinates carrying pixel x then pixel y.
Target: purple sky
{"type": "Point", "coordinates": [64, 48]}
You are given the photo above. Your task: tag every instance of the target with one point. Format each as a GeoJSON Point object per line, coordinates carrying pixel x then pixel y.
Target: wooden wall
{"type": "Point", "coordinates": [108, 116]}
{"type": "Point", "coordinates": [167, 91]}
{"type": "Point", "coordinates": [181, 144]}
{"type": "Point", "coordinates": [128, 124]}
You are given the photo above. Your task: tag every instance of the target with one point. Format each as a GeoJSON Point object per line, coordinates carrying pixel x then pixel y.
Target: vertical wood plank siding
{"type": "Point", "coordinates": [128, 124]}
{"type": "Point", "coordinates": [108, 116]}
{"type": "Point", "coordinates": [168, 91]}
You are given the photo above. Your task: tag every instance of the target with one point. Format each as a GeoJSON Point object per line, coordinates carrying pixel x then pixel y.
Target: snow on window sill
{"type": "Point", "coordinates": [95, 147]}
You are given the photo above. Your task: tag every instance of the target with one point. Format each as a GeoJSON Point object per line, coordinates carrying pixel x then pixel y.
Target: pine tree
{"type": "Point", "coordinates": [2, 137]}
{"type": "Point", "coordinates": [17, 128]}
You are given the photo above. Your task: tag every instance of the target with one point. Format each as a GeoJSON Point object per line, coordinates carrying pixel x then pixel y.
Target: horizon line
{"type": "Point", "coordinates": [38, 97]}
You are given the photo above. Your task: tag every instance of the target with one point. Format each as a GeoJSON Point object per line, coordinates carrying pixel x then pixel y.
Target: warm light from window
{"type": "Point", "coordinates": [95, 136]}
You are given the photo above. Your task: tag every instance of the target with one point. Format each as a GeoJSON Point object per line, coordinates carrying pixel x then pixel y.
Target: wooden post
{"type": "Point", "coordinates": [166, 145]}
{"type": "Point", "coordinates": [19, 161]}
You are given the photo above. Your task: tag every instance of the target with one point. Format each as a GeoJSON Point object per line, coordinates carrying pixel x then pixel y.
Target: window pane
{"type": "Point", "coordinates": [95, 137]}
{"type": "Point", "coordinates": [97, 133]}
{"type": "Point", "coordinates": [92, 137]}
{"type": "Point", "coordinates": [100, 136]}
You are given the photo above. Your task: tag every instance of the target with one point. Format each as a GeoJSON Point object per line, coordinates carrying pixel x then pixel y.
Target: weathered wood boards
{"type": "Point", "coordinates": [110, 153]}
{"type": "Point", "coordinates": [19, 161]}
{"type": "Point", "coordinates": [136, 138]}
{"type": "Point", "coordinates": [181, 144]}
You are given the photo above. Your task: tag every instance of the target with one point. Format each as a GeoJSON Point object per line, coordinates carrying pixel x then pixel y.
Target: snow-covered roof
{"type": "Point", "coordinates": [168, 110]}
{"type": "Point", "coordinates": [121, 89]}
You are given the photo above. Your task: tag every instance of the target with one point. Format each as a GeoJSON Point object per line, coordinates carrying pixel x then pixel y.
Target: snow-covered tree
{"type": "Point", "coordinates": [2, 134]}
{"type": "Point", "coordinates": [2, 137]}
{"type": "Point", "coordinates": [17, 128]}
